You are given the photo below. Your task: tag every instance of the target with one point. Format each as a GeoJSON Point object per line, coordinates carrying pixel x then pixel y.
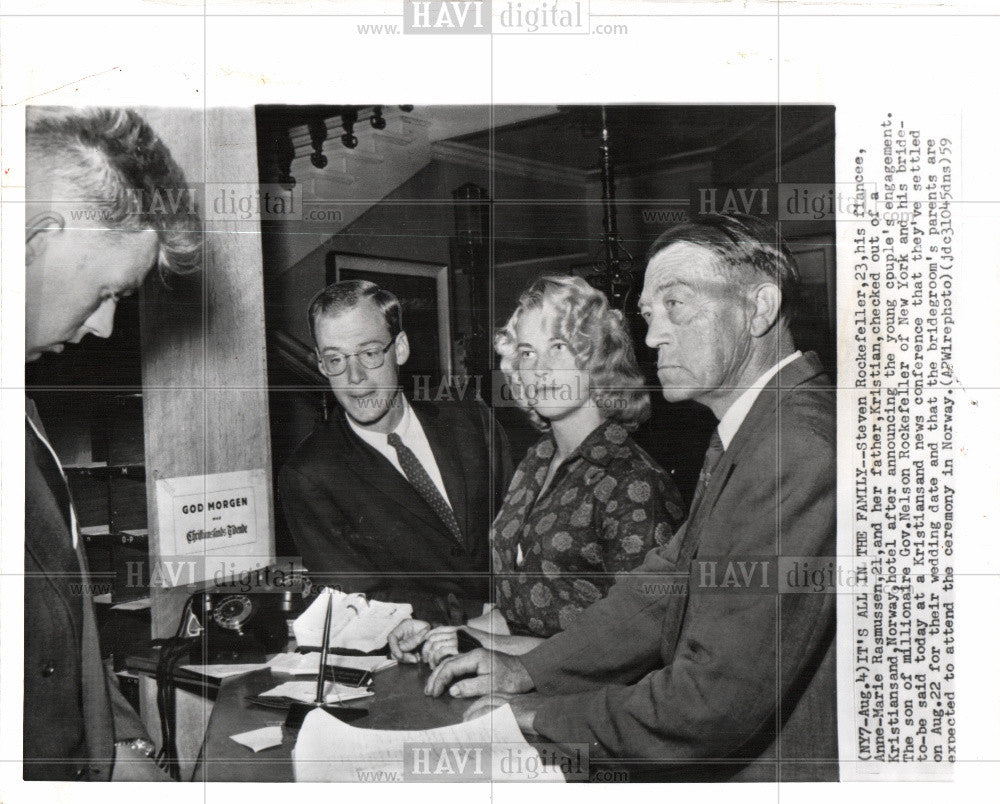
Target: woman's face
{"type": "Point", "coordinates": [553, 385]}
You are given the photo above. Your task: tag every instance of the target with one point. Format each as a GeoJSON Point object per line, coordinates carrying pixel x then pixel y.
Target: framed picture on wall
{"type": "Point", "coordinates": [422, 290]}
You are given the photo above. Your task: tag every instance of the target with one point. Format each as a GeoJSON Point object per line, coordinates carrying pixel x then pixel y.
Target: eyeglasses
{"type": "Point", "coordinates": [334, 363]}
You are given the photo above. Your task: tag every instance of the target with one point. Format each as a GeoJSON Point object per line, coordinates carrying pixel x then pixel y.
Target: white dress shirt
{"type": "Point", "coordinates": [734, 417]}
{"type": "Point", "coordinates": [411, 433]}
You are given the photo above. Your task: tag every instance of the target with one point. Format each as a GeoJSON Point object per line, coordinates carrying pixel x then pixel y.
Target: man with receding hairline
{"type": "Point", "coordinates": [722, 681]}
{"type": "Point", "coordinates": [93, 231]}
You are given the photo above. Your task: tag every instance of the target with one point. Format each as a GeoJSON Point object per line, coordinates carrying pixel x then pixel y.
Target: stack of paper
{"type": "Point", "coordinates": [489, 748]}
{"type": "Point", "coordinates": [356, 623]}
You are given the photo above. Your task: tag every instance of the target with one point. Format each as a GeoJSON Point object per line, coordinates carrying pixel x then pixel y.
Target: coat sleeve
{"type": "Point", "coordinates": [589, 654]}
{"type": "Point", "coordinates": [741, 652]}
{"type": "Point", "coordinates": [127, 723]}
{"type": "Point", "coordinates": [327, 542]}
{"type": "Point", "coordinates": [324, 537]}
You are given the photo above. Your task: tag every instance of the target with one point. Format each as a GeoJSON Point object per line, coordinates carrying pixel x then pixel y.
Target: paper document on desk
{"type": "Point", "coordinates": [221, 671]}
{"type": "Point", "coordinates": [356, 623]}
{"type": "Point", "coordinates": [373, 664]}
{"type": "Point", "coordinates": [305, 691]}
{"type": "Point", "coordinates": [307, 664]}
{"type": "Point", "coordinates": [259, 739]}
{"type": "Point", "coordinates": [489, 748]}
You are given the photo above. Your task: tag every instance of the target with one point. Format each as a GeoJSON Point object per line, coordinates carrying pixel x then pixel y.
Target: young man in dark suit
{"type": "Point", "coordinates": [95, 225]}
{"type": "Point", "coordinates": [390, 498]}
{"type": "Point", "coordinates": [677, 674]}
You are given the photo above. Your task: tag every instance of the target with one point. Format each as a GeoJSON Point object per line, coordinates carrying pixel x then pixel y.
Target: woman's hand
{"type": "Point", "coordinates": [405, 638]}
{"type": "Point", "coordinates": [439, 644]}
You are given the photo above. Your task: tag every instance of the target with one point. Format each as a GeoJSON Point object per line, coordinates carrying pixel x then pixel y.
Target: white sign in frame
{"type": "Point", "coordinates": [220, 515]}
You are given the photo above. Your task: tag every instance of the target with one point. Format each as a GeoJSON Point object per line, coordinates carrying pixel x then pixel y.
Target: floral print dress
{"type": "Point", "coordinates": [608, 504]}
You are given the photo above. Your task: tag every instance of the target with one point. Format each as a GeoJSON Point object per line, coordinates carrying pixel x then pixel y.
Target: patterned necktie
{"type": "Point", "coordinates": [422, 482]}
{"type": "Point", "coordinates": [712, 456]}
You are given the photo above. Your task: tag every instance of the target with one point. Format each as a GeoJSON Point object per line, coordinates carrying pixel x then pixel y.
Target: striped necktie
{"type": "Point", "coordinates": [712, 457]}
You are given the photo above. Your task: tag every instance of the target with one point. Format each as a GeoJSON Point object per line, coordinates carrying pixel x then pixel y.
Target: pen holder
{"type": "Point", "coordinates": [297, 712]}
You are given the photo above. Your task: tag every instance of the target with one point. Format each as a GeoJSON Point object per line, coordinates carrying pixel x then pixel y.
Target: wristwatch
{"type": "Point", "coordinates": [139, 745]}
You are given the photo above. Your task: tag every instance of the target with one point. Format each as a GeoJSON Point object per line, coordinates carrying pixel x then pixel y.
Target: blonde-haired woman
{"type": "Point", "coordinates": [586, 503]}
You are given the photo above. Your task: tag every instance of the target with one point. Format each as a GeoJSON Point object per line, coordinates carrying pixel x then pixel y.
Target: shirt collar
{"type": "Point", "coordinates": [738, 411]}
{"type": "Point", "coordinates": [380, 440]}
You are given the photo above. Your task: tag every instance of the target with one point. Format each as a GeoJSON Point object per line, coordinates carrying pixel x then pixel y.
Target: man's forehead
{"type": "Point", "coordinates": [119, 259]}
{"type": "Point", "coordinates": [348, 328]}
{"type": "Point", "coordinates": [680, 263]}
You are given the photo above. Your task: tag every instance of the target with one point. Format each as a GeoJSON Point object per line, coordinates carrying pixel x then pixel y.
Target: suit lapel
{"type": "Point", "coordinates": [759, 417]}
{"type": "Point", "coordinates": [448, 461]}
{"type": "Point", "coordinates": [60, 569]}
{"type": "Point", "coordinates": [49, 470]}
{"type": "Point", "coordinates": [51, 537]}
{"type": "Point", "coordinates": [371, 467]}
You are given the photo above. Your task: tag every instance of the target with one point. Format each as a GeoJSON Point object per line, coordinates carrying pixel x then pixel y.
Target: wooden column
{"type": "Point", "coordinates": [204, 370]}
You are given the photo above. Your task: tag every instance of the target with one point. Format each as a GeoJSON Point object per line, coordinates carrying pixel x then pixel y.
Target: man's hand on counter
{"type": "Point", "coordinates": [492, 671]}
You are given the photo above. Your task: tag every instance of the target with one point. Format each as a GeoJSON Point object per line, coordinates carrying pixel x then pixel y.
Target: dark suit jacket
{"type": "Point", "coordinates": [359, 524]}
{"type": "Point", "coordinates": [73, 709]}
{"type": "Point", "coordinates": [699, 685]}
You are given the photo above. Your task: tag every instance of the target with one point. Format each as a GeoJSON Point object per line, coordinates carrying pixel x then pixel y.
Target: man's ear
{"type": "Point", "coordinates": [402, 348]}
{"type": "Point", "coordinates": [765, 301]}
{"type": "Point", "coordinates": [38, 230]}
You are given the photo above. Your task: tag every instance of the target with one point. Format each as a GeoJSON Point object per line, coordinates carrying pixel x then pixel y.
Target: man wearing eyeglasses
{"type": "Point", "coordinates": [392, 498]}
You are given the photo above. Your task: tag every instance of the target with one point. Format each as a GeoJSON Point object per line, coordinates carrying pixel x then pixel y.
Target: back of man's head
{"type": "Point", "coordinates": [108, 168]}
{"type": "Point", "coordinates": [747, 250]}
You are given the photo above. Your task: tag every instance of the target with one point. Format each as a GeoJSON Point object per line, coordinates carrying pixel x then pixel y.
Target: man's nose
{"type": "Point", "coordinates": [102, 321]}
{"type": "Point", "coordinates": [653, 336]}
{"type": "Point", "coordinates": [355, 371]}
{"type": "Point", "coordinates": [657, 332]}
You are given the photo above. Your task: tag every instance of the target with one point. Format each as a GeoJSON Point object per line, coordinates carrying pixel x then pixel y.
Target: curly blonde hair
{"type": "Point", "coordinates": [599, 340]}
